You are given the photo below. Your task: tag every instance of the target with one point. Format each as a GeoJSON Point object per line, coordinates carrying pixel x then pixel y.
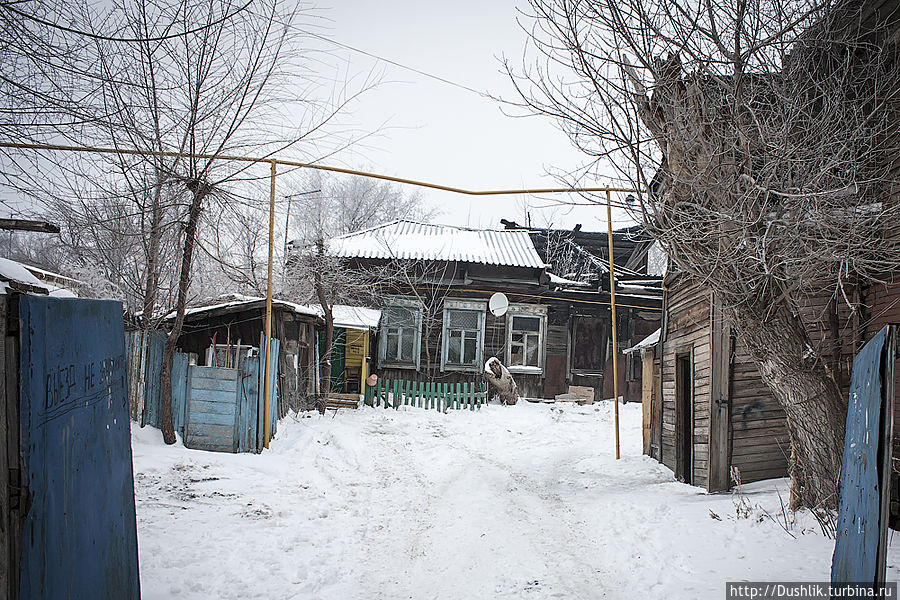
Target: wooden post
{"type": "Point", "coordinates": [267, 386]}
{"type": "Point", "coordinates": [612, 308]}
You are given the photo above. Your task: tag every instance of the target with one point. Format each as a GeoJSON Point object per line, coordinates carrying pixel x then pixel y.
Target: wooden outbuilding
{"type": "Point", "coordinates": [711, 411]}
{"type": "Point", "coordinates": [216, 332]}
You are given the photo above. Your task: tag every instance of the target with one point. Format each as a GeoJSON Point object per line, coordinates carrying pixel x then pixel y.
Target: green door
{"type": "Point", "coordinates": [338, 351]}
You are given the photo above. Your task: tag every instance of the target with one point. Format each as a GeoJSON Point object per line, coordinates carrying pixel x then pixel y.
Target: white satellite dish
{"type": "Point", "coordinates": [498, 304]}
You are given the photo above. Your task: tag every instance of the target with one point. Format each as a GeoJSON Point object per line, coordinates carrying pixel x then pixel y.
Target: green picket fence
{"type": "Point", "coordinates": [427, 395]}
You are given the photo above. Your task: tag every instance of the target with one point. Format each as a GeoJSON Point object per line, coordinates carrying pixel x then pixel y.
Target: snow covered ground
{"type": "Point", "coordinates": [507, 502]}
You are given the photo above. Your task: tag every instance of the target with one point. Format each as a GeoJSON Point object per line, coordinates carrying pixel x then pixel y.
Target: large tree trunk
{"type": "Point", "coordinates": [809, 396]}
{"type": "Point", "coordinates": [327, 310]}
{"type": "Point", "coordinates": [184, 281]}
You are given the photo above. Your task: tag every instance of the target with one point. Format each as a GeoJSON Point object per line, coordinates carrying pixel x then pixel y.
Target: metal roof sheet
{"type": "Point", "coordinates": [408, 240]}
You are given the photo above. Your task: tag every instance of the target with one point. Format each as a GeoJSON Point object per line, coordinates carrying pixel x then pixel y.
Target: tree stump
{"type": "Point", "coordinates": [501, 380]}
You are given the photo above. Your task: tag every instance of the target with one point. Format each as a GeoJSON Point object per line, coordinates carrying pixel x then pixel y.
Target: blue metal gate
{"type": "Point", "coordinates": [79, 538]}
{"type": "Point", "coordinates": [859, 554]}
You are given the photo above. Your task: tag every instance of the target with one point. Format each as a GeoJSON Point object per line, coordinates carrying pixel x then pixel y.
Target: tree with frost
{"type": "Point", "coordinates": [759, 135]}
{"type": "Point", "coordinates": [328, 206]}
{"type": "Point", "coordinates": [176, 88]}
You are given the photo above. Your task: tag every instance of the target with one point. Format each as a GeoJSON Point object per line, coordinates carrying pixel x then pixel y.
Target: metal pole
{"type": "Point", "coordinates": [612, 308]}
{"type": "Point", "coordinates": [267, 386]}
{"type": "Point", "coordinates": [318, 167]}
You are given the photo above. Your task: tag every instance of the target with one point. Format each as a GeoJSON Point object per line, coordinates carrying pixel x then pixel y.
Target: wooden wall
{"type": "Point", "coordinates": [736, 419]}
{"type": "Point", "coordinates": [687, 331]}
{"type": "Point", "coordinates": [634, 325]}
{"type": "Point", "coordinates": [760, 447]}
{"type": "Point", "coordinates": [295, 332]}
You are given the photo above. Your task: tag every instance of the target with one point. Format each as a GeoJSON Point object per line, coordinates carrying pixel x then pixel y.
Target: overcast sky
{"type": "Point", "coordinates": [440, 133]}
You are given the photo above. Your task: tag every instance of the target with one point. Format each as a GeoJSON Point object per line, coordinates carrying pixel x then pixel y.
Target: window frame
{"type": "Point", "coordinates": [538, 311]}
{"type": "Point", "coordinates": [414, 363]}
{"type": "Point", "coordinates": [478, 306]}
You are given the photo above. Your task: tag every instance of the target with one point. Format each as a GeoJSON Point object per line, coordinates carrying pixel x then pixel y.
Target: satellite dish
{"type": "Point", "coordinates": [498, 304]}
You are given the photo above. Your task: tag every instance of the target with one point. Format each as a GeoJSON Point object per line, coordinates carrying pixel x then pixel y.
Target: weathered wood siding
{"type": "Point", "coordinates": [211, 420]}
{"type": "Point", "coordinates": [760, 446]}
{"type": "Point", "coordinates": [687, 331]}
{"type": "Point", "coordinates": [295, 331]}
{"type": "Point", "coordinates": [883, 302]}
{"type": "Point", "coordinates": [741, 413]}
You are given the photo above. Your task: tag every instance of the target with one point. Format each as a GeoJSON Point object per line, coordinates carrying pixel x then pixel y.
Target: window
{"type": "Point", "coordinates": [463, 335]}
{"type": "Point", "coordinates": [525, 338]}
{"type": "Point", "coordinates": [590, 340]}
{"type": "Point", "coordinates": [401, 334]}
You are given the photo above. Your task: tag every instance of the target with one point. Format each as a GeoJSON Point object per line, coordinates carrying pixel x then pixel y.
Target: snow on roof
{"type": "Point", "coordinates": [11, 270]}
{"type": "Point", "coordinates": [16, 272]}
{"type": "Point", "coordinates": [352, 317]}
{"type": "Point", "coordinates": [409, 240]}
{"type": "Point", "coordinates": [650, 340]}
{"type": "Point", "coordinates": [238, 300]}
{"type": "Point", "coordinates": [562, 281]}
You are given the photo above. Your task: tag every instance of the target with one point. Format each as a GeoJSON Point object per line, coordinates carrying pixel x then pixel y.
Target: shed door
{"type": "Point", "coordinates": [79, 538]}
{"type": "Point", "coordinates": [684, 418]}
{"type": "Point", "coordinates": [720, 403]}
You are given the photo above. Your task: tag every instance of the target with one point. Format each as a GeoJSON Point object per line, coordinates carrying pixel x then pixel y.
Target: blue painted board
{"type": "Point", "coordinates": [272, 357]}
{"type": "Point", "coordinates": [153, 346]}
{"type": "Point", "coordinates": [209, 406]}
{"type": "Point", "coordinates": [80, 537]}
{"type": "Point", "coordinates": [179, 390]}
{"type": "Point", "coordinates": [858, 544]}
{"type": "Point", "coordinates": [206, 428]}
{"type": "Point", "coordinates": [248, 401]}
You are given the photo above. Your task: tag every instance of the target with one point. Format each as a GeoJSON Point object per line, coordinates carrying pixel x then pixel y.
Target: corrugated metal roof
{"type": "Point", "coordinates": [407, 240]}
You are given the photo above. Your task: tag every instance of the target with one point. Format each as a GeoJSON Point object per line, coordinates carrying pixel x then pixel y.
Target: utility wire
{"type": "Point", "coordinates": [392, 62]}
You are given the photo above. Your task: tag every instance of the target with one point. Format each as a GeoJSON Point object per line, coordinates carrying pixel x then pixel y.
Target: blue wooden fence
{"type": "Point", "coordinates": [144, 354]}
{"type": "Point", "coordinates": [859, 554]}
{"type": "Point", "coordinates": [428, 395]}
{"type": "Point", "coordinates": [213, 408]}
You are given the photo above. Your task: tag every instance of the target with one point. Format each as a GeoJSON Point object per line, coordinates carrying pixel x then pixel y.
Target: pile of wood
{"type": "Point", "coordinates": [337, 401]}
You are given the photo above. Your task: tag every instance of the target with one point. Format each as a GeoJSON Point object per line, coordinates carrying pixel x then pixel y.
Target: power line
{"type": "Point", "coordinates": [392, 62]}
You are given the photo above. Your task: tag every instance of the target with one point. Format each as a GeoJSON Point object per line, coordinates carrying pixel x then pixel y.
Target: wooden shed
{"type": "Point", "coordinates": [713, 410]}
{"type": "Point", "coordinates": [241, 320]}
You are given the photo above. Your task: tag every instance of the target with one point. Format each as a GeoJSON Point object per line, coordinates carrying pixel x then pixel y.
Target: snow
{"type": "Point", "coordinates": [11, 270]}
{"type": "Point", "coordinates": [522, 502]}
{"type": "Point", "coordinates": [562, 281]}
{"type": "Point", "coordinates": [408, 240]}
{"type": "Point", "coordinates": [351, 317]}
{"type": "Point", "coordinates": [234, 300]}
{"type": "Point", "coordinates": [650, 340]}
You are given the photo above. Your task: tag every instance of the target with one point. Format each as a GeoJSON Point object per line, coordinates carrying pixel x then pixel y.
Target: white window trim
{"type": "Point", "coordinates": [461, 304]}
{"type": "Point", "coordinates": [527, 310]}
{"type": "Point", "coordinates": [417, 339]}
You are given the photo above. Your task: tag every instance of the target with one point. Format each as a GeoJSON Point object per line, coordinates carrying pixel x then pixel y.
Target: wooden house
{"type": "Point", "coordinates": [882, 300]}
{"type": "Point", "coordinates": [436, 326]}
{"type": "Point", "coordinates": [711, 411]}
{"type": "Point", "coordinates": [215, 333]}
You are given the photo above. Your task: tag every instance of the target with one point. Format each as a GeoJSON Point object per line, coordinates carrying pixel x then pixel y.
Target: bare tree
{"type": "Point", "coordinates": [761, 133]}
{"type": "Point", "coordinates": [203, 79]}
{"type": "Point", "coordinates": [329, 206]}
